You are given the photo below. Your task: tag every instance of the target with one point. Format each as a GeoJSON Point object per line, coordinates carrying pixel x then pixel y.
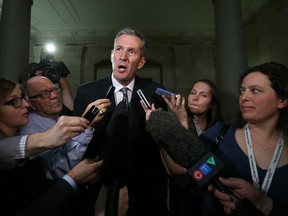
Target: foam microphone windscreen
{"type": "Point", "coordinates": [116, 152]}
{"type": "Point", "coordinates": [183, 147]}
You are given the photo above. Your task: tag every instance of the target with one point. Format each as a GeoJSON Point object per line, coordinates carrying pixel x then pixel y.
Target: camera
{"type": "Point", "coordinates": [53, 70]}
{"type": "Point", "coordinates": [49, 68]}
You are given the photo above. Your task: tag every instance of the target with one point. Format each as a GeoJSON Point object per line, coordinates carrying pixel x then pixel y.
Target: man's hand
{"type": "Point", "coordinates": [102, 105]}
{"type": "Point", "coordinates": [63, 131]}
{"type": "Point", "coordinates": [86, 171]}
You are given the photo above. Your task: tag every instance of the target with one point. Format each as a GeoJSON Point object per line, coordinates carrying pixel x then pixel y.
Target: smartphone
{"type": "Point", "coordinates": [91, 113]}
{"type": "Point", "coordinates": [161, 92]}
{"type": "Point", "coordinates": [110, 92]}
{"type": "Point", "coordinates": [143, 98]}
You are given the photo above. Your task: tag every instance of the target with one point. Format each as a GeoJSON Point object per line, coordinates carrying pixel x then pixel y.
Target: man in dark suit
{"type": "Point", "coordinates": [147, 182]}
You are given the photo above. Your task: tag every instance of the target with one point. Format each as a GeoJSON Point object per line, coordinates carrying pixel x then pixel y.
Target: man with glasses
{"type": "Point", "coordinates": [46, 93]}
{"type": "Point", "coordinates": [46, 104]}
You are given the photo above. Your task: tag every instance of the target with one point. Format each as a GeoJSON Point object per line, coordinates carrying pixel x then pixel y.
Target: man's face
{"type": "Point", "coordinates": [126, 58]}
{"type": "Point", "coordinates": [50, 106]}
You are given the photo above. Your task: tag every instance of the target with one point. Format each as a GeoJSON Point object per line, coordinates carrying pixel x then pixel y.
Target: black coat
{"type": "Point", "coordinates": [26, 191]}
{"type": "Point", "coordinates": [147, 184]}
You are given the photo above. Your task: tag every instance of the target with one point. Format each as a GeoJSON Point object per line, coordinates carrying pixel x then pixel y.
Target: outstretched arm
{"type": "Point", "coordinates": [66, 93]}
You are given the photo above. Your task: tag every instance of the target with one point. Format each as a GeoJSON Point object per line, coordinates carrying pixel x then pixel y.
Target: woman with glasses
{"type": "Point", "coordinates": [14, 114]}
{"type": "Point", "coordinates": [21, 182]}
{"type": "Point", "coordinates": [14, 108]}
{"type": "Point", "coordinates": [23, 190]}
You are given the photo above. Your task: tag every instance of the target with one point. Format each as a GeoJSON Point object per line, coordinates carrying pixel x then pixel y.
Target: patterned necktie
{"type": "Point", "coordinates": [125, 96]}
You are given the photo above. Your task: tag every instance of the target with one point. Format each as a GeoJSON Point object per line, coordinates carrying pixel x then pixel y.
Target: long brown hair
{"type": "Point", "coordinates": [213, 114]}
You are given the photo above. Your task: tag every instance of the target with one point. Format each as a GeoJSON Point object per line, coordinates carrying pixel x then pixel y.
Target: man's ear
{"type": "Point", "coordinates": [283, 103]}
{"type": "Point", "coordinates": [142, 63]}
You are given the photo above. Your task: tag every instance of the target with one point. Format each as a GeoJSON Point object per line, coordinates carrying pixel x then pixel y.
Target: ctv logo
{"type": "Point", "coordinates": [204, 169]}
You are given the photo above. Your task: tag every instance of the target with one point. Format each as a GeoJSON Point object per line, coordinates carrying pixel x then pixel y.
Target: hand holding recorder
{"type": "Point", "coordinates": [176, 104]}
{"type": "Point", "coordinates": [143, 99]}
{"type": "Point", "coordinates": [98, 107]}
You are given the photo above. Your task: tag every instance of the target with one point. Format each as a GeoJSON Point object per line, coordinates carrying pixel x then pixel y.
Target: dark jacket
{"type": "Point", "coordinates": [147, 184]}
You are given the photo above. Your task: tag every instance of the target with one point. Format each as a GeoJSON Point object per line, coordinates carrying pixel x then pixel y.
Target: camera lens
{"type": "Point", "coordinates": [52, 74]}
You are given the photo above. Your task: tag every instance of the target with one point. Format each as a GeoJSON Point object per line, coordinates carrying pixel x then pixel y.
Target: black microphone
{"type": "Point", "coordinates": [115, 170]}
{"type": "Point", "coordinates": [185, 149]}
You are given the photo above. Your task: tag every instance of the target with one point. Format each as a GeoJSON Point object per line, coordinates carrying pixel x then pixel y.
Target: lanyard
{"type": "Point", "coordinates": [273, 164]}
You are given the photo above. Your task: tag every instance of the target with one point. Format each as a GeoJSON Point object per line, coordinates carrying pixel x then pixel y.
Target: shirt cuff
{"type": "Point", "coordinates": [71, 182]}
{"type": "Point", "coordinates": [20, 154]}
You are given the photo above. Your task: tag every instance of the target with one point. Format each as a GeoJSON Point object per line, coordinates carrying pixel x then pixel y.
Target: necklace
{"type": "Point", "coordinates": [264, 147]}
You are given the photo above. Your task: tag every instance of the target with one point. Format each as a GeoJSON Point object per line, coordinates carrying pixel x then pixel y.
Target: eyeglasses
{"type": "Point", "coordinates": [17, 101]}
{"type": "Point", "coordinates": [47, 93]}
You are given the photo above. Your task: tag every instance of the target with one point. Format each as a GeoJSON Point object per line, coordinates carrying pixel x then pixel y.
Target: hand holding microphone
{"type": "Point", "coordinates": [243, 189]}
{"type": "Point", "coordinates": [185, 149]}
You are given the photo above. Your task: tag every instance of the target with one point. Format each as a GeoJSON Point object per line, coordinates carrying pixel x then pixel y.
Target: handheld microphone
{"type": "Point", "coordinates": [185, 149]}
{"type": "Point", "coordinates": [115, 169]}
{"type": "Point", "coordinates": [116, 152]}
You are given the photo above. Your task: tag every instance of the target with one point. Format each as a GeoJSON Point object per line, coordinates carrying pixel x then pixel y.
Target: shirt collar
{"type": "Point", "coordinates": [118, 85]}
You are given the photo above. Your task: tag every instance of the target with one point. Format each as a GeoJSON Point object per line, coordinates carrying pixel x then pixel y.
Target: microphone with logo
{"type": "Point", "coordinates": [185, 149]}
{"type": "Point", "coordinates": [115, 169]}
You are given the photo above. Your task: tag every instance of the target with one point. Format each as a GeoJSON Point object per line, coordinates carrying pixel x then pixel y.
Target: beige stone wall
{"type": "Point", "coordinates": [266, 34]}
{"type": "Point", "coordinates": [181, 64]}
{"type": "Point", "coordinates": [182, 59]}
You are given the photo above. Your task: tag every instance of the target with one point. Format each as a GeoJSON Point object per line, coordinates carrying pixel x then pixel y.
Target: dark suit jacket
{"type": "Point", "coordinates": [58, 200]}
{"type": "Point", "coordinates": [148, 180]}
{"type": "Point", "coordinates": [25, 186]}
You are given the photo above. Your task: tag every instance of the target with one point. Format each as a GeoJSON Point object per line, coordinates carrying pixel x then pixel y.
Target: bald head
{"type": "Point", "coordinates": [33, 84]}
{"type": "Point", "coordinates": [45, 98]}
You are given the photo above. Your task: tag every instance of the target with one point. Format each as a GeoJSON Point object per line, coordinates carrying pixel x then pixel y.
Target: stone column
{"type": "Point", "coordinates": [282, 9]}
{"type": "Point", "coordinates": [15, 26]}
{"type": "Point", "coordinates": [231, 54]}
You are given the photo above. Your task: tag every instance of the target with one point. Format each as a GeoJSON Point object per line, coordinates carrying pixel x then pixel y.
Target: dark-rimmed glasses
{"type": "Point", "coordinates": [17, 101]}
{"type": "Point", "coordinates": [46, 93]}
